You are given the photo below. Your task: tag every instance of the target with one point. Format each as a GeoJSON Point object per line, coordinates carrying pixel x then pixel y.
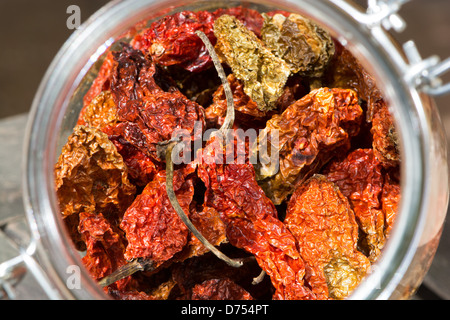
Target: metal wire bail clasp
{"type": "Point", "coordinates": [379, 12]}
{"type": "Point", "coordinates": [13, 270]}
{"type": "Point", "coordinates": [381, 16]}
{"type": "Point", "coordinates": [424, 74]}
{"type": "Point", "coordinates": [385, 12]}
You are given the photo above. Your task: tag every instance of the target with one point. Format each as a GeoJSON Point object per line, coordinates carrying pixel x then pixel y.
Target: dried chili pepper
{"type": "Point", "coordinates": [305, 46]}
{"type": "Point", "coordinates": [153, 229]}
{"type": "Point", "coordinates": [101, 82]}
{"type": "Point", "coordinates": [360, 178]}
{"type": "Point", "coordinates": [105, 247]}
{"type": "Point", "coordinates": [390, 199]}
{"type": "Point", "coordinates": [135, 75]}
{"type": "Point", "coordinates": [150, 108]}
{"type": "Point", "coordinates": [264, 75]}
{"type": "Point", "coordinates": [172, 40]}
{"type": "Point", "coordinates": [247, 110]}
{"type": "Point", "coordinates": [324, 225]}
{"type": "Point", "coordinates": [100, 112]}
{"type": "Point", "coordinates": [219, 289]}
{"type": "Point", "coordinates": [385, 140]}
{"type": "Point", "coordinates": [90, 176]}
{"type": "Point", "coordinates": [310, 131]}
{"type": "Point", "coordinates": [346, 72]}
{"type": "Point", "coordinates": [252, 222]}
{"type": "Point", "coordinates": [251, 19]}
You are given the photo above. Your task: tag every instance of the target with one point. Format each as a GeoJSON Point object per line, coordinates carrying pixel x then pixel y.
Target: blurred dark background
{"type": "Point", "coordinates": [32, 31]}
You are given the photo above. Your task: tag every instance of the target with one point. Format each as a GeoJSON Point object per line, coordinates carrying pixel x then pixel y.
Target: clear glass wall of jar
{"type": "Point", "coordinates": [410, 249]}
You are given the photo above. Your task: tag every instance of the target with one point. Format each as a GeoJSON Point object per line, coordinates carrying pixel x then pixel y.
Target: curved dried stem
{"type": "Point", "coordinates": [173, 145]}
{"type": "Point", "coordinates": [165, 149]}
{"type": "Point", "coordinates": [259, 278]}
{"type": "Point", "coordinates": [176, 205]}
{"type": "Point", "coordinates": [229, 118]}
{"type": "Point", "coordinates": [126, 270]}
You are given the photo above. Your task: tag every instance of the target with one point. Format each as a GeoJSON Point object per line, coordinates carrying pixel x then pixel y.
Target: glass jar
{"type": "Point", "coordinates": [55, 263]}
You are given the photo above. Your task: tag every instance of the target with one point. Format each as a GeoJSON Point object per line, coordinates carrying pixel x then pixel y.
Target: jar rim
{"type": "Point", "coordinates": [82, 48]}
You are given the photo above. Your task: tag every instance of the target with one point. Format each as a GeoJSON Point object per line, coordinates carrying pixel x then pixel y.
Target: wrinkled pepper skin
{"type": "Point", "coordinates": [152, 227]}
{"type": "Point", "coordinates": [360, 178]}
{"type": "Point", "coordinates": [307, 228]}
{"type": "Point", "coordinates": [252, 222]}
{"type": "Point", "coordinates": [323, 223]}
{"type": "Point", "coordinates": [90, 176]}
{"type": "Point", "coordinates": [311, 131]}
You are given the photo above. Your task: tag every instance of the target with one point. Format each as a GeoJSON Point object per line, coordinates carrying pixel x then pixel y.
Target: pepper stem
{"type": "Point", "coordinates": [229, 118]}
{"type": "Point", "coordinates": [126, 270]}
{"type": "Point", "coordinates": [166, 148]}
{"type": "Point", "coordinates": [172, 146]}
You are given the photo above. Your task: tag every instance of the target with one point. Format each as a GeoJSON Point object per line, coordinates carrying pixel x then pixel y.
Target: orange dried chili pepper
{"type": "Point", "coordinates": [324, 226]}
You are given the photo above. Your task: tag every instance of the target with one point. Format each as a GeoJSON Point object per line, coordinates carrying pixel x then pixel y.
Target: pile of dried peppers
{"type": "Point", "coordinates": [210, 228]}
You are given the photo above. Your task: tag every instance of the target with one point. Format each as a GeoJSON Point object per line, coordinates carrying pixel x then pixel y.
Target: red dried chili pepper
{"type": "Point", "coordinates": [360, 178]}
{"type": "Point", "coordinates": [105, 247]}
{"type": "Point", "coordinates": [219, 289]}
{"type": "Point", "coordinates": [134, 75]}
{"type": "Point", "coordinates": [311, 131]}
{"type": "Point", "coordinates": [149, 108]}
{"type": "Point", "coordinates": [324, 225]}
{"type": "Point", "coordinates": [390, 199]}
{"type": "Point", "coordinates": [153, 229]}
{"type": "Point", "coordinates": [101, 82]}
{"type": "Point", "coordinates": [172, 40]}
{"type": "Point", "coordinates": [252, 222]}
{"type": "Point", "coordinates": [251, 19]}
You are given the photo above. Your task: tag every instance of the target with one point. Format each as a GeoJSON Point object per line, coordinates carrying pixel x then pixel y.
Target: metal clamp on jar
{"type": "Point", "coordinates": [407, 81]}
